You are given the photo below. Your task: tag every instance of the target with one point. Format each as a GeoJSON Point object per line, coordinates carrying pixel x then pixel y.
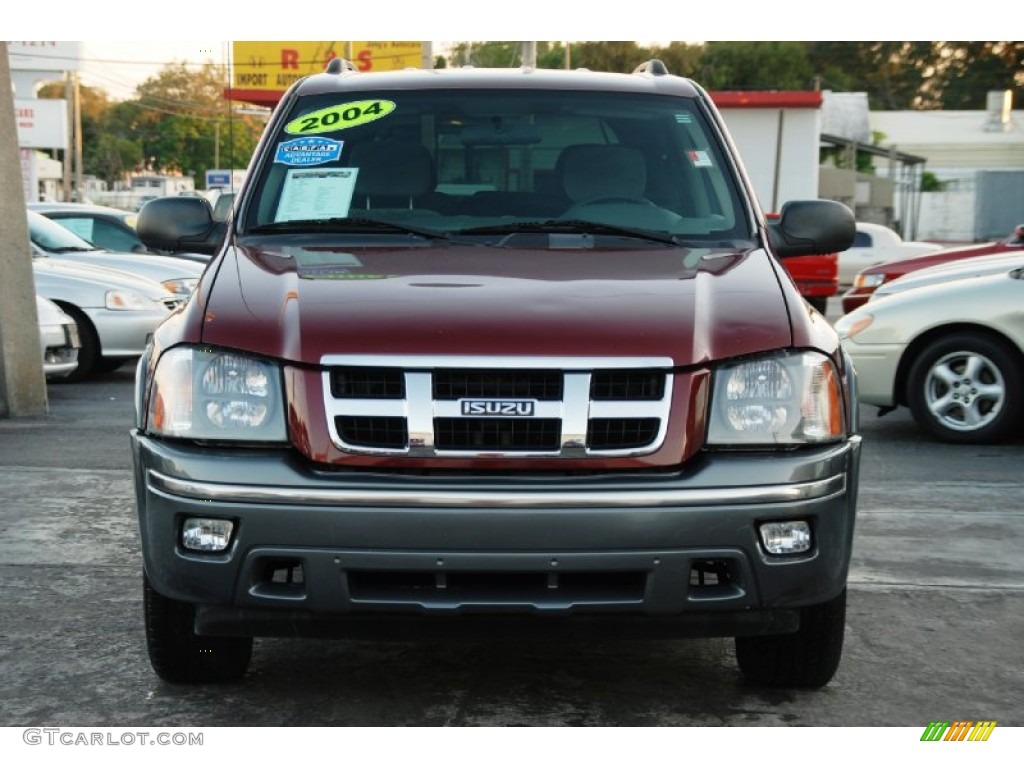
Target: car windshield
{"type": "Point", "coordinates": [51, 236]}
{"type": "Point", "coordinates": [493, 164]}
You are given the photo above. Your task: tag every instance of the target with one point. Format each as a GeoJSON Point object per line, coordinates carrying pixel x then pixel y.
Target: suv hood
{"type": "Point", "coordinates": [691, 305]}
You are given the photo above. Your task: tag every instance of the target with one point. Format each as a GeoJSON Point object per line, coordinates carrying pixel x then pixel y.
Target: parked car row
{"type": "Point", "coordinates": [943, 335]}
{"type": "Point", "coordinates": [98, 307]}
{"type": "Point", "coordinates": [111, 229]}
{"type": "Point", "coordinates": [871, 278]}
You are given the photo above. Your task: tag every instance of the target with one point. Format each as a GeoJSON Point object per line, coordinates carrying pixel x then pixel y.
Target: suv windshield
{"type": "Point", "coordinates": [487, 163]}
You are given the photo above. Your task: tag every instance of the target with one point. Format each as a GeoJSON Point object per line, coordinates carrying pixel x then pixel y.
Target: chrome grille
{"type": "Point", "coordinates": [497, 406]}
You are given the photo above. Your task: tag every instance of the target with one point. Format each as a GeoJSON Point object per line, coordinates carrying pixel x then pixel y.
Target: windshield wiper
{"type": "Point", "coordinates": [350, 225]}
{"type": "Point", "coordinates": [72, 249]}
{"type": "Point", "coordinates": [572, 227]}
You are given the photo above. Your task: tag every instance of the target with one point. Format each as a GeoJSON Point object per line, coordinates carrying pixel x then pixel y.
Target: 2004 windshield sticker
{"type": "Point", "coordinates": [308, 150]}
{"type": "Point", "coordinates": [340, 117]}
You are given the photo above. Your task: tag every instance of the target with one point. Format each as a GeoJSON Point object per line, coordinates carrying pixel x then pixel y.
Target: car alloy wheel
{"type": "Point", "coordinates": [966, 388]}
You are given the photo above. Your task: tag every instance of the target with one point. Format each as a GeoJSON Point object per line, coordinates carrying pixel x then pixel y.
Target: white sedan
{"type": "Point", "coordinates": [874, 244]}
{"type": "Point", "coordinates": [952, 352]}
{"type": "Point", "coordinates": [58, 339]}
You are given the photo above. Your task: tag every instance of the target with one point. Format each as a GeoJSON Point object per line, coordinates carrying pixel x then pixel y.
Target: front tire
{"type": "Point", "coordinates": [807, 658]}
{"type": "Point", "coordinates": [178, 654]}
{"type": "Point", "coordinates": [89, 353]}
{"type": "Point", "coordinates": [966, 388]}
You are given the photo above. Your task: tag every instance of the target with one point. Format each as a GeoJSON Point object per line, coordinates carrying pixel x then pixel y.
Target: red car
{"type": "Point", "coordinates": [816, 277]}
{"type": "Point", "coordinates": [869, 280]}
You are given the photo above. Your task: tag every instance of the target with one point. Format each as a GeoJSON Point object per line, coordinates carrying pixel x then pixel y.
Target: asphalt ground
{"type": "Point", "coordinates": [934, 625]}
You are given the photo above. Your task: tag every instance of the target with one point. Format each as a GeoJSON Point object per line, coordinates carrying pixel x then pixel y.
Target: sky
{"type": "Point", "coordinates": [118, 66]}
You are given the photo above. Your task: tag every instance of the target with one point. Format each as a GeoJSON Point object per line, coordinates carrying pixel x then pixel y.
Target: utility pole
{"type": "Point", "coordinates": [79, 185]}
{"type": "Point", "coordinates": [69, 99]}
{"type": "Point", "coordinates": [529, 54]}
{"type": "Point", "coordinates": [22, 383]}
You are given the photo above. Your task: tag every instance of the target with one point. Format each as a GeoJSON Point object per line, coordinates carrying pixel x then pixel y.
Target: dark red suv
{"type": "Point", "coordinates": [496, 351]}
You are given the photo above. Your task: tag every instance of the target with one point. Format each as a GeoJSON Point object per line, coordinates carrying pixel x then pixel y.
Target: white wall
{"type": "Point", "coordinates": [756, 133]}
{"type": "Point", "coordinates": [947, 216]}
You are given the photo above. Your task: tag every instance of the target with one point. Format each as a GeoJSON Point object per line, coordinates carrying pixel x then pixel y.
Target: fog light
{"type": "Point", "coordinates": [788, 538]}
{"type": "Point", "coordinates": [206, 534]}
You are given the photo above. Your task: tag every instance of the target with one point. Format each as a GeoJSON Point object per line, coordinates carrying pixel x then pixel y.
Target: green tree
{"type": "Point", "coordinates": [614, 56]}
{"type": "Point", "coordinates": [969, 70]}
{"type": "Point", "coordinates": [894, 74]}
{"type": "Point", "coordinates": [183, 123]}
{"type": "Point", "coordinates": [744, 65]}
{"type": "Point", "coordinates": [680, 58]}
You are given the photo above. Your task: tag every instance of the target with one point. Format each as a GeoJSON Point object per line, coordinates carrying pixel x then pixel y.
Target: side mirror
{"type": "Point", "coordinates": [180, 224]}
{"type": "Point", "coordinates": [812, 227]}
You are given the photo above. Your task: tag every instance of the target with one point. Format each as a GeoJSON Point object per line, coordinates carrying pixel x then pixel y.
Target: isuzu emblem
{"type": "Point", "coordinates": [497, 407]}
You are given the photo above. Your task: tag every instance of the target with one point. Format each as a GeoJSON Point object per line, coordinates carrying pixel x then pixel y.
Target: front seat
{"type": "Point", "coordinates": [591, 172]}
{"type": "Point", "coordinates": [391, 175]}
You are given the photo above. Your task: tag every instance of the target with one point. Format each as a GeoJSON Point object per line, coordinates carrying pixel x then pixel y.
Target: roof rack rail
{"type": "Point", "coordinates": [653, 67]}
{"type": "Point", "coordinates": [338, 65]}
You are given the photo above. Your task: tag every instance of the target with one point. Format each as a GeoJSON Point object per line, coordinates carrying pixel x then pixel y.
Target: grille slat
{"type": "Point", "coordinates": [497, 434]}
{"type": "Point", "coordinates": [627, 385]}
{"type": "Point", "coordinates": [373, 431]}
{"type": "Point", "coordinates": [381, 383]}
{"type": "Point", "coordinates": [535, 385]}
{"type": "Point", "coordinates": [615, 434]}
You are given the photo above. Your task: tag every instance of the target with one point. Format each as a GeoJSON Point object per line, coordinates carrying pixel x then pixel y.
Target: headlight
{"type": "Point", "coordinates": [212, 395]}
{"type": "Point", "coordinates": [868, 281]}
{"type": "Point", "coordinates": [848, 326]}
{"type": "Point", "coordinates": [129, 300]}
{"type": "Point", "coordinates": [785, 399]}
{"type": "Point", "coordinates": [183, 286]}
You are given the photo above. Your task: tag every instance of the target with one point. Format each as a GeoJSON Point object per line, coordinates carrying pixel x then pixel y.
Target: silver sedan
{"type": "Point", "coordinates": [50, 239]}
{"type": "Point", "coordinates": [115, 312]}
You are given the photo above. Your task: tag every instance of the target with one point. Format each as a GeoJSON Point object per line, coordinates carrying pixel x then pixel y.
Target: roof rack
{"type": "Point", "coordinates": [337, 65]}
{"type": "Point", "coordinates": [653, 67]}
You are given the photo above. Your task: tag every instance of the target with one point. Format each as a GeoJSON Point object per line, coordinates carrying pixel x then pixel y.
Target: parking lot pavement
{"type": "Point", "coordinates": [936, 612]}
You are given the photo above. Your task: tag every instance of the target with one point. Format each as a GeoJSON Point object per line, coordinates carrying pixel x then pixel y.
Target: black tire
{"type": "Point", "coordinates": [89, 352]}
{"type": "Point", "coordinates": [178, 654]}
{"type": "Point", "coordinates": [807, 658]}
{"type": "Point", "coordinates": [966, 388]}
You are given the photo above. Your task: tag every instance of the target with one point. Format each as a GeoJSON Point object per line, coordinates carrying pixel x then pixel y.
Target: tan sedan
{"type": "Point", "coordinates": [952, 352]}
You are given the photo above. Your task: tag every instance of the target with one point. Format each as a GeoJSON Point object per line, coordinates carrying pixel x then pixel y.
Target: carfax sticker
{"type": "Point", "coordinates": [340, 117]}
{"type": "Point", "coordinates": [309, 150]}
{"type": "Point", "coordinates": [700, 158]}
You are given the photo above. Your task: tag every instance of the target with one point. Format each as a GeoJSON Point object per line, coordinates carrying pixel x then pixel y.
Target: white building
{"type": "Point", "coordinates": [978, 155]}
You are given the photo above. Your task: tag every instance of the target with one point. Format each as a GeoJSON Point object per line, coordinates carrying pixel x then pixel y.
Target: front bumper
{"type": "Point", "coordinates": [676, 549]}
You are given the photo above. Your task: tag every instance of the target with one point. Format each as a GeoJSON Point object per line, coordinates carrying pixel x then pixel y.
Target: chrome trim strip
{"type": "Point", "coordinates": [504, 499]}
{"type": "Point", "coordinates": [430, 362]}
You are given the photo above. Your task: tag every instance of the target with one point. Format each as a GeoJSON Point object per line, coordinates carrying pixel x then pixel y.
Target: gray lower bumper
{"type": "Point", "coordinates": [334, 547]}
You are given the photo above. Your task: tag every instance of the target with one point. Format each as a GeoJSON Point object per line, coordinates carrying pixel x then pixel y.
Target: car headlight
{"type": "Point", "coordinates": [183, 286]}
{"type": "Point", "coordinates": [784, 399]}
{"type": "Point", "coordinates": [868, 281]}
{"type": "Point", "coordinates": [128, 301]}
{"type": "Point", "coordinates": [848, 326]}
{"type": "Point", "coordinates": [207, 394]}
